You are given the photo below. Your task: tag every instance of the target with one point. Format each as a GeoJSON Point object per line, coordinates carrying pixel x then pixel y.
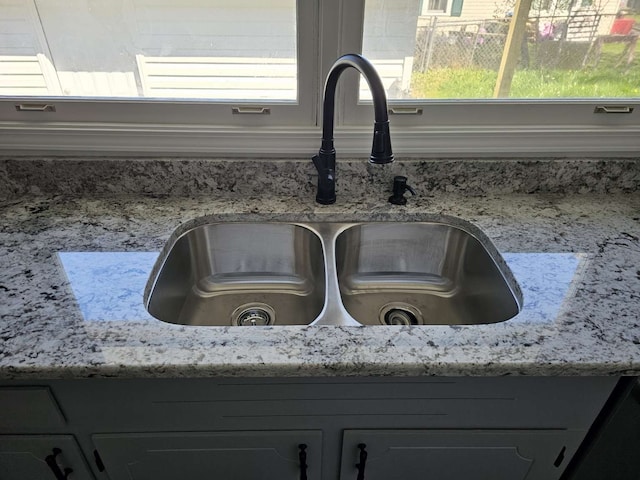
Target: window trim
{"type": "Point", "coordinates": [303, 142]}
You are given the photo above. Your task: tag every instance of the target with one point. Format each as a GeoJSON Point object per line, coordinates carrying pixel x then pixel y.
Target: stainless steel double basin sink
{"type": "Point", "coordinates": [329, 273]}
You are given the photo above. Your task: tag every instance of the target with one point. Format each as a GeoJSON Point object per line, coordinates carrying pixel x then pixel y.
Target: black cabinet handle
{"type": "Point", "coordinates": [53, 465]}
{"type": "Point", "coordinates": [363, 461]}
{"type": "Point", "coordinates": [303, 461]}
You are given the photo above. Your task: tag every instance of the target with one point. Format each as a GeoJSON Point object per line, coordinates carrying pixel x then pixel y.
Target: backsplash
{"type": "Point", "coordinates": [233, 177]}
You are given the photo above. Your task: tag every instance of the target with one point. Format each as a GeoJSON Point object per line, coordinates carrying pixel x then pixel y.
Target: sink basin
{"type": "Point", "coordinates": [241, 274]}
{"type": "Point", "coordinates": [330, 273]}
{"type": "Point", "coordinates": [420, 273]}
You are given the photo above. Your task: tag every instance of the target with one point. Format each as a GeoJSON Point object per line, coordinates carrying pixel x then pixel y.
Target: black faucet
{"type": "Point", "coordinates": [381, 152]}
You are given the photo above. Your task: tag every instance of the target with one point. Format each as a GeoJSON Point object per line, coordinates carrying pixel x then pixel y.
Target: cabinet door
{"type": "Point", "coordinates": [27, 409]}
{"type": "Point", "coordinates": [457, 454]}
{"type": "Point", "coordinates": [36, 457]}
{"type": "Point", "coordinates": [216, 455]}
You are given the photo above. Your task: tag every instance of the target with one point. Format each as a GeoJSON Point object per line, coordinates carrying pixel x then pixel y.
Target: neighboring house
{"type": "Point", "coordinates": [553, 10]}
{"type": "Point", "coordinates": [94, 50]}
{"type": "Point", "coordinates": [45, 52]}
{"type": "Point", "coordinates": [487, 9]}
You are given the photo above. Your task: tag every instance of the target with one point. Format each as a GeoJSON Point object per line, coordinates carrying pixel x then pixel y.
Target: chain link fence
{"type": "Point", "coordinates": [550, 41]}
{"type": "Point", "coordinates": [459, 44]}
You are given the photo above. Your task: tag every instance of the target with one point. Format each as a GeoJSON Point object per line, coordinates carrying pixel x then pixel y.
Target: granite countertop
{"type": "Point", "coordinates": [73, 269]}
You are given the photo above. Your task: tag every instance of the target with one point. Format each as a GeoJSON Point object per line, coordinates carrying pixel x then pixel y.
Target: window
{"type": "Point", "coordinates": [547, 72]}
{"type": "Point", "coordinates": [198, 61]}
{"type": "Point", "coordinates": [240, 77]}
{"type": "Point", "coordinates": [557, 50]}
{"type": "Point", "coordinates": [434, 6]}
{"type": "Point", "coordinates": [242, 50]}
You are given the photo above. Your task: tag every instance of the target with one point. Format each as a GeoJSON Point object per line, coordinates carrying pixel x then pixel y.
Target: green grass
{"type": "Point", "coordinates": [605, 80]}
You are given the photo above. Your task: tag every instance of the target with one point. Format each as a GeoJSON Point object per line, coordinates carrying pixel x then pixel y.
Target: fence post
{"type": "Point", "coordinates": [428, 48]}
{"type": "Point", "coordinates": [479, 27]}
{"type": "Point", "coordinates": [517, 30]}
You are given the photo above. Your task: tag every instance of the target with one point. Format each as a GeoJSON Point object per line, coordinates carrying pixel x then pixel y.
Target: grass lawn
{"type": "Point", "coordinates": [605, 80]}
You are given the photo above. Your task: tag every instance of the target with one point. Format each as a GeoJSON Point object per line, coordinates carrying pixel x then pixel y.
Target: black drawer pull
{"type": "Point", "coordinates": [363, 461]}
{"type": "Point", "coordinates": [303, 461]}
{"type": "Point", "coordinates": [53, 465]}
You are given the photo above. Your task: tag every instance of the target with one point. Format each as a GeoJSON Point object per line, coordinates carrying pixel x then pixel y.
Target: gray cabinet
{"type": "Point", "coordinates": [453, 428]}
{"type": "Point", "coordinates": [613, 454]}
{"type": "Point", "coordinates": [34, 442]}
{"type": "Point", "coordinates": [280, 455]}
{"type": "Point", "coordinates": [41, 457]}
{"type": "Point", "coordinates": [26, 408]}
{"type": "Point", "coordinates": [455, 454]}
{"type": "Point", "coordinates": [390, 454]}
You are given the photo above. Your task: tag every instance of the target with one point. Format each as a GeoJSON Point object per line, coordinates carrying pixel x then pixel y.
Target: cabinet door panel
{"type": "Point", "coordinates": [23, 457]}
{"type": "Point", "coordinates": [458, 454]}
{"type": "Point", "coordinates": [26, 408]}
{"type": "Point", "coordinates": [219, 455]}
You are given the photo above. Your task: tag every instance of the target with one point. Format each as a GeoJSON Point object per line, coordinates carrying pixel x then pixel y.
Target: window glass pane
{"type": "Point", "coordinates": [214, 49]}
{"type": "Point", "coordinates": [461, 49]}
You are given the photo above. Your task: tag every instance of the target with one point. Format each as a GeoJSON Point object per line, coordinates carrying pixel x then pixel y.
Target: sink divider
{"type": "Point", "coordinates": [333, 312]}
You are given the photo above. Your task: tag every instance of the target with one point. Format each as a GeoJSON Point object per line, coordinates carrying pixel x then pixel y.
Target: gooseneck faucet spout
{"type": "Point", "coordinates": [381, 151]}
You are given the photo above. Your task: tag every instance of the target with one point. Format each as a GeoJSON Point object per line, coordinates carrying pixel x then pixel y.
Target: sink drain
{"type": "Point", "coordinates": [400, 314]}
{"type": "Point", "coordinates": [253, 315]}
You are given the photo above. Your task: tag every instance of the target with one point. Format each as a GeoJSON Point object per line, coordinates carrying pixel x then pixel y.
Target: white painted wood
{"type": "Point", "coordinates": [263, 140]}
{"type": "Point", "coordinates": [25, 65]}
{"type": "Point", "coordinates": [249, 78]}
{"type": "Point", "coordinates": [50, 75]}
{"type": "Point", "coordinates": [98, 84]}
{"type": "Point", "coordinates": [27, 75]}
{"type": "Point", "coordinates": [218, 77]}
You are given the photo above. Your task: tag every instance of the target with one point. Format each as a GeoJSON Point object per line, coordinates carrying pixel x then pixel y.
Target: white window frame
{"type": "Point", "coordinates": [326, 29]}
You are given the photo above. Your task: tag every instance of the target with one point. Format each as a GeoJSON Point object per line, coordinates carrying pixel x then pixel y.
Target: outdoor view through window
{"type": "Point", "coordinates": [214, 49]}
{"type": "Point", "coordinates": [504, 48]}
{"type": "Point", "coordinates": [247, 49]}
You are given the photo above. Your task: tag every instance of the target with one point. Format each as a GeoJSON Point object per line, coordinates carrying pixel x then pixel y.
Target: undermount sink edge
{"type": "Point", "coordinates": [437, 270]}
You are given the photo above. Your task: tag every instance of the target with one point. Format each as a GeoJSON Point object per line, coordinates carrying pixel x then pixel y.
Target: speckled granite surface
{"type": "Point", "coordinates": [68, 312]}
{"type": "Point", "coordinates": [110, 176]}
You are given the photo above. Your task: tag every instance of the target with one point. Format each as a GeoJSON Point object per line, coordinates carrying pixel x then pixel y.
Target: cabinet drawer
{"type": "Point", "coordinates": [29, 408]}
{"type": "Point", "coordinates": [226, 455]}
{"type": "Point", "coordinates": [458, 454]}
{"type": "Point", "coordinates": [308, 403]}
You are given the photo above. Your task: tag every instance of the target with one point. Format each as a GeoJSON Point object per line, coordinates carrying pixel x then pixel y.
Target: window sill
{"type": "Point", "coordinates": [154, 140]}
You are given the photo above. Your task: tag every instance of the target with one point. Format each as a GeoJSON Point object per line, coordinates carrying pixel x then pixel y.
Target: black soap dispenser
{"type": "Point", "coordinates": [399, 188]}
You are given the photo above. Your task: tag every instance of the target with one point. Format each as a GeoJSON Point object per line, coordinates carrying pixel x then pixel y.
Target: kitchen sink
{"type": "Point", "coordinates": [330, 273]}
{"type": "Point", "coordinates": [241, 274]}
{"type": "Point", "coordinates": [420, 273]}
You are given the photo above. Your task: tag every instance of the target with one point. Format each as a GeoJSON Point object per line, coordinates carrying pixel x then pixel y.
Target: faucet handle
{"type": "Point", "coordinates": [399, 188]}
{"type": "Point", "coordinates": [325, 163]}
